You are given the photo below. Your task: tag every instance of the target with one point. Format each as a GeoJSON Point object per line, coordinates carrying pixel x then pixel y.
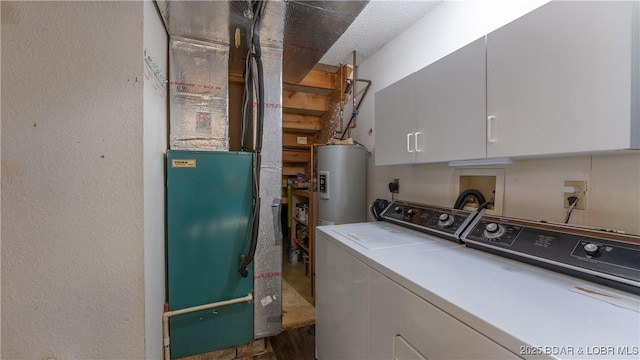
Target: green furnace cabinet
{"type": "Point", "coordinates": [209, 207]}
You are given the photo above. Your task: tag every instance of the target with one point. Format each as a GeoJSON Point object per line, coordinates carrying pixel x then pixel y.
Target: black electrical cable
{"type": "Point", "coordinates": [485, 204]}
{"type": "Point", "coordinates": [573, 200]}
{"type": "Point", "coordinates": [461, 200]}
{"type": "Point", "coordinates": [245, 103]}
{"type": "Point", "coordinates": [257, 153]}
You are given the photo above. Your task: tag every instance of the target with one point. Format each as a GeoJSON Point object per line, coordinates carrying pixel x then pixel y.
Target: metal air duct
{"type": "Point", "coordinates": [305, 29]}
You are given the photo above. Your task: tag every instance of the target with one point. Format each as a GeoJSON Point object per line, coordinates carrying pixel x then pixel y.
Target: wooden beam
{"type": "Point", "coordinates": [292, 169]}
{"type": "Point", "coordinates": [308, 89]}
{"type": "Point", "coordinates": [295, 156]}
{"type": "Point", "coordinates": [326, 67]}
{"type": "Point", "coordinates": [301, 123]}
{"type": "Point", "coordinates": [304, 101]}
{"type": "Point", "coordinates": [297, 140]}
{"type": "Point", "coordinates": [293, 110]}
{"type": "Point", "coordinates": [319, 79]}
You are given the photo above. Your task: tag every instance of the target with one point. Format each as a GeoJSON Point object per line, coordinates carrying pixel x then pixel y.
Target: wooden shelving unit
{"type": "Point", "coordinates": [301, 197]}
{"type": "Point", "coordinates": [302, 231]}
{"type": "Point", "coordinates": [303, 107]}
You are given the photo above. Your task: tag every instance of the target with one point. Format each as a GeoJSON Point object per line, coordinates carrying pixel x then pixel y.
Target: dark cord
{"type": "Point", "coordinates": [573, 201]}
{"type": "Point", "coordinates": [462, 198]}
{"type": "Point", "coordinates": [257, 152]}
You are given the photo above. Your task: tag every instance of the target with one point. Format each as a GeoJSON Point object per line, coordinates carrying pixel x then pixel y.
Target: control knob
{"type": "Point", "coordinates": [493, 231]}
{"type": "Point", "coordinates": [397, 209]}
{"type": "Point", "coordinates": [445, 220]}
{"type": "Point", "coordinates": [411, 212]}
{"type": "Point", "coordinates": [591, 249]}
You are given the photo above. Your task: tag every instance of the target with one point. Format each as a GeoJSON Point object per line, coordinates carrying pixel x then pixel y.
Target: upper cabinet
{"type": "Point", "coordinates": [429, 115]}
{"type": "Point", "coordinates": [450, 106]}
{"type": "Point", "coordinates": [562, 79]}
{"type": "Point", "coordinates": [559, 80]}
{"type": "Point", "coordinates": [396, 123]}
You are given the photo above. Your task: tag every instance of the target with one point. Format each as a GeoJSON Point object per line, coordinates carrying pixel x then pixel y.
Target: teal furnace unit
{"type": "Point", "coordinates": [209, 208]}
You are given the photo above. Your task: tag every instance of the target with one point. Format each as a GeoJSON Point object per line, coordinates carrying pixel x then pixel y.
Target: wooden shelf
{"type": "Point", "coordinates": [304, 104]}
{"type": "Point", "coordinates": [301, 246]}
{"type": "Point", "coordinates": [301, 123]}
{"type": "Point", "coordinates": [317, 79]}
{"type": "Point", "coordinates": [297, 140]}
{"type": "Point", "coordinates": [300, 221]}
{"type": "Point", "coordinates": [301, 192]}
{"type": "Point", "coordinates": [307, 89]}
{"type": "Point", "coordinates": [295, 156]}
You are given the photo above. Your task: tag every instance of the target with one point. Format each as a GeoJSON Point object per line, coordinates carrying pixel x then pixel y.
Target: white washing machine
{"type": "Point", "coordinates": [384, 291]}
{"type": "Point", "coordinates": [345, 265]}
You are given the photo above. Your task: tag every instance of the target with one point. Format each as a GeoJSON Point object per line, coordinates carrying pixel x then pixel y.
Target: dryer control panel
{"type": "Point", "coordinates": [602, 256]}
{"type": "Point", "coordinates": [430, 219]}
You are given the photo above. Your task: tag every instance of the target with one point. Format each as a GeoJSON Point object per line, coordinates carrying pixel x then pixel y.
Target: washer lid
{"type": "Point", "coordinates": [381, 235]}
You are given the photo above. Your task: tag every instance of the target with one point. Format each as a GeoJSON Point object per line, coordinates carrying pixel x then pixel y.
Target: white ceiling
{"type": "Point", "coordinates": [378, 23]}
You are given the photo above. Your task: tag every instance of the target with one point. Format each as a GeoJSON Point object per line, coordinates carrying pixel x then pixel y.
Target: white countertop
{"type": "Point", "coordinates": [527, 309]}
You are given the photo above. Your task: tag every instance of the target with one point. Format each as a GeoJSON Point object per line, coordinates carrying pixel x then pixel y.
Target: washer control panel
{"type": "Point", "coordinates": [436, 220]}
{"type": "Point", "coordinates": [594, 254]}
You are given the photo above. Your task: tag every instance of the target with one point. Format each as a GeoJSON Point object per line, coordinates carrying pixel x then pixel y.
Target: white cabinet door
{"type": "Point", "coordinates": [404, 326]}
{"type": "Point", "coordinates": [451, 106]}
{"type": "Point", "coordinates": [559, 80]}
{"type": "Point", "coordinates": [342, 304]}
{"type": "Point", "coordinates": [395, 123]}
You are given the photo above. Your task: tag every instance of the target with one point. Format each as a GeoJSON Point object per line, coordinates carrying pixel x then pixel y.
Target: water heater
{"type": "Point", "coordinates": [342, 184]}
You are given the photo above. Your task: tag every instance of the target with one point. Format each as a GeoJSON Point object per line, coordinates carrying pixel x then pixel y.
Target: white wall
{"type": "Point", "coordinates": [155, 145]}
{"type": "Point", "coordinates": [533, 188]}
{"type": "Point", "coordinates": [72, 180]}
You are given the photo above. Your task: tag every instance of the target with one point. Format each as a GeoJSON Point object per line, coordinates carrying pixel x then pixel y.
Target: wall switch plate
{"type": "Point", "coordinates": [579, 190]}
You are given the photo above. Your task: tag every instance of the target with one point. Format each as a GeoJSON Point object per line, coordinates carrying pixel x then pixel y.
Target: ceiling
{"type": "Point", "coordinates": [378, 23]}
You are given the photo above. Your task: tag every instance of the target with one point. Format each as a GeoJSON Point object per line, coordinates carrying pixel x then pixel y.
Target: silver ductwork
{"type": "Point", "coordinates": [305, 29]}
{"type": "Point", "coordinates": [199, 95]}
{"type": "Point", "coordinates": [311, 28]}
{"type": "Point", "coordinates": [267, 263]}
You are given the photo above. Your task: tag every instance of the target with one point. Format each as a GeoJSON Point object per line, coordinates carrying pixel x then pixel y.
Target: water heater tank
{"type": "Point", "coordinates": [342, 184]}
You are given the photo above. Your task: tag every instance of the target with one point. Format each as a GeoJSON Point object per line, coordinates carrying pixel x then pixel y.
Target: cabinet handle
{"type": "Point", "coordinates": [490, 137]}
{"type": "Point", "coordinates": [416, 139]}
{"type": "Point", "coordinates": [409, 142]}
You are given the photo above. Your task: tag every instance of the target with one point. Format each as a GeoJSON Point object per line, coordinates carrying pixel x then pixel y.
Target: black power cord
{"type": "Point", "coordinates": [256, 56]}
{"type": "Point", "coordinates": [573, 201]}
{"type": "Point", "coordinates": [462, 199]}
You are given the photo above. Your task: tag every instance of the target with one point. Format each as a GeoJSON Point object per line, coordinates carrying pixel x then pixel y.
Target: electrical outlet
{"type": "Point", "coordinates": [578, 189]}
{"type": "Point", "coordinates": [394, 186]}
